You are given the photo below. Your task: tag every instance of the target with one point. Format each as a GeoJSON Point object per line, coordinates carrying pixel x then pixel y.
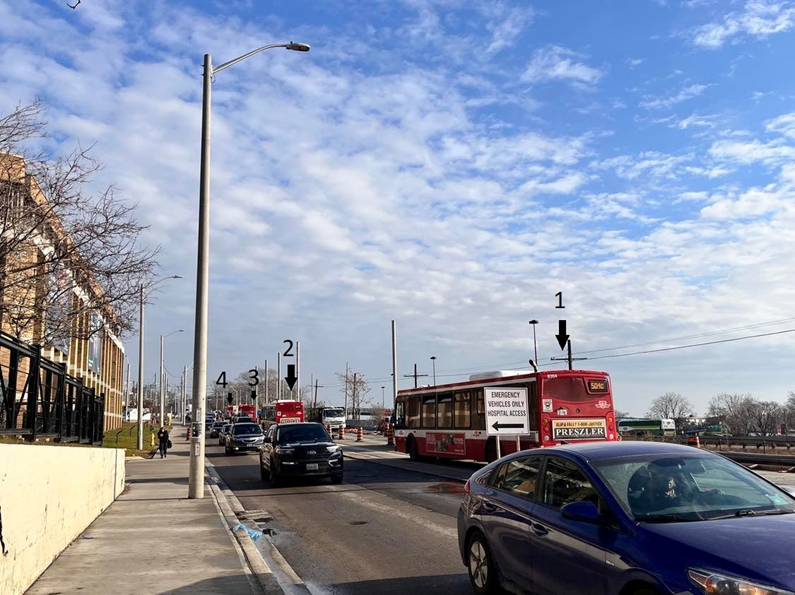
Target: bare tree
{"type": "Point", "coordinates": [765, 417]}
{"type": "Point", "coordinates": [671, 406]}
{"type": "Point", "coordinates": [620, 414]}
{"type": "Point", "coordinates": [734, 412]}
{"type": "Point", "coordinates": [356, 389]}
{"type": "Point", "coordinates": [71, 262]}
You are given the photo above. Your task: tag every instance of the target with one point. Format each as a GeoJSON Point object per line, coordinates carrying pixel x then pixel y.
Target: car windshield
{"type": "Point", "coordinates": [665, 488]}
{"type": "Point", "coordinates": [300, 433]}
{"type": "Point", "coordinates": [333, 413]}
{"type": "Point", "coordinates": [247, 429]}
{"type": "Point", "coordinates": [218, 424]}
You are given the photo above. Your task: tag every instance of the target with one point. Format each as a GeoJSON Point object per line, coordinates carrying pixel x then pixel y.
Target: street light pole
{"type": "Point", "coordinates": [141, 373]}
{"type": "Point", "coordinates": [196, 469]}
{"type": "Point", "coordinates": [433, 361]}
{"type": "Point", "coordinates": [535, 347]}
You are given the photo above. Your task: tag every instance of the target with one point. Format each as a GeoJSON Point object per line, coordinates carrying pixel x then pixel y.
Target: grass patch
{"type": "Point", "coordinates": [126, 437]}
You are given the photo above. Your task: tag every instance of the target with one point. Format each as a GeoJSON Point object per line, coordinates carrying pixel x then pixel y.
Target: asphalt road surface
{"type": "Point", "coordinates": [384, 530]}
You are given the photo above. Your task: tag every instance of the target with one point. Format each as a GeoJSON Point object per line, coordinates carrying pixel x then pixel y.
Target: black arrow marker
{"type": "Point", "coordinates": [254, 394]}
{"type": "Point", "coordinates": [497, 426]}
{"type": "Point", "coordinates": [229, 398]}
{"type": "Point", "coordinates": [562, 336]}
{"type": "Point", "coordinates": [291, 378]}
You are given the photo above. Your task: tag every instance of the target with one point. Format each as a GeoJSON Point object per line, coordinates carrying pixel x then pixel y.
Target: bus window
{"type": "Point", "coordinates": [462, 410]}
{"type": "Point", "coordinates": [479, 423]}
{"type": "Point", "coordinates": [400, 414]}
{"type": "Point", "coordinates": [444, 411]}
{"type": "Point", "coordinates": [568, 388]}
{"type": "Point", "coordinates": [413, 417]}
{"type": "Point", "coordinates": [429, 411]}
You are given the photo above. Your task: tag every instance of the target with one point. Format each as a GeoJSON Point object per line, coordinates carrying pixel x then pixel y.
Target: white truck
{"type": "Point", "coordinates": [328, 416]}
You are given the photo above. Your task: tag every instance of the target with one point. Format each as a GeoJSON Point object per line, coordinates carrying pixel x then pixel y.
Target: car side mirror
{"type": "Point", "coordinates": [584, 511]}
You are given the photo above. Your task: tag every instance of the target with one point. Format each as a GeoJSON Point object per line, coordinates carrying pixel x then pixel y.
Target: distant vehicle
{"type": "Point", "coordinates": [243, 437]}
{"type": "Point", "coordinates": [132, 415]}
{"type": "Point", "coordinates": [223, 432]}
{"type": "Point", "coordinates": [449, 421]}
{"type": "Point", "coordinates": [283, 411]}
{"type": "Point", "coordinates": [241, 410]}
{"type": "Point", "coordinates": [299, 449]}
{"type": "Point", "coordinates": [327, 416]}
{"type": "Point", "coordinates": [215, 429]}
{"type": "Point", "coordinates": [646, 427]}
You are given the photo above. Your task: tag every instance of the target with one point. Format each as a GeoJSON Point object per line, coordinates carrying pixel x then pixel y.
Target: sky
{"type": "Point", "coordinates": [451, 165]}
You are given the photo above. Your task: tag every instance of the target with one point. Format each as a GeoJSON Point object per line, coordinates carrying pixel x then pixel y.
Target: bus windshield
{"type": "Point", "coordinates": [568, 388]}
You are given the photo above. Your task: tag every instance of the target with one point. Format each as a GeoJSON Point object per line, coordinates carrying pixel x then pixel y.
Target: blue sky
{"type": "Point", "coordinates": [451, 165]}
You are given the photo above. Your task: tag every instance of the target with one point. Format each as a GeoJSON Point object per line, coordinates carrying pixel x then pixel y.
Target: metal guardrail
{"type": "Point", "coordinates": [38, 399]}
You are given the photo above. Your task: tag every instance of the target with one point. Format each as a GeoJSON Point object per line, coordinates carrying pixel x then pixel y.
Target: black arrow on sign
{"type": "Point", "coordinates": [562, 336]}
{"type": "Point", "coordinates": [229, 398]}
{"type": "Point", "coordinates": [254, 395]}
{"type": "Point", "coordinates": [291, 378]}
{"type": "Point", "coordinates": [497, 426]}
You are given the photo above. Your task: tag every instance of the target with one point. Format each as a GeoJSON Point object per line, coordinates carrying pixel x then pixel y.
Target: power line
{"type": "Point", "coordinates": [792, 330]}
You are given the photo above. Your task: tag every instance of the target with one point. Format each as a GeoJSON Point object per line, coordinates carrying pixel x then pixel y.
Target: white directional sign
{"type": "Point", "coordinates": [506, 411]}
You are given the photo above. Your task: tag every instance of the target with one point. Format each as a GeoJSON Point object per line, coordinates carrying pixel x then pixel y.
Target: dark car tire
{"type": "Point", "coordinates": [645, 591]}
{"type": "Point", "coordinates": [480, 566]}
{"type": "Point", "coordinates": [336, 479]}
{"type": "Point", "coordinates": [275, 478]}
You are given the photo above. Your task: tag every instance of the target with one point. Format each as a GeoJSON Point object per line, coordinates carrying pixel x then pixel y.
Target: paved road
{"type": "Point", "coordinates": [383, 530]}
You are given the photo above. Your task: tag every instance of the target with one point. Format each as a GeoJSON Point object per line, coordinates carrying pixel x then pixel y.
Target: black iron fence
{"type": "Point", "coordinates": [38, 399]}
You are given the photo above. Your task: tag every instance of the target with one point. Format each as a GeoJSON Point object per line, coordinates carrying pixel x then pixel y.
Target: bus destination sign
{"type": "Point", "coordinates": [579, 429]}
{"type": "Point", "coordinates": [506, 411]}
{"type": "Point", "coordinates": [597, 386]}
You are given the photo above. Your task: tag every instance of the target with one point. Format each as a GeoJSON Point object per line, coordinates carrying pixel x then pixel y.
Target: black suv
{"type": "Point", "coordinates": [299, 450]}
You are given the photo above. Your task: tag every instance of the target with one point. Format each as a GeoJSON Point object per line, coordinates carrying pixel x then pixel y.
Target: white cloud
{"type": "Point", "coordinates": [633, 62]}
{"type": "Point", "coordinates": [784, 124]}
{"type": "Point", "coordinates": [557, 63]}
{"type": "Point", "coordinates": [753, 151]}
{"type": "Point", "coordinates": [759, 18]}
{"type": "Point", "coordinates": [684, 94]}
{"type": "Point", "coordinates": [506, 26]}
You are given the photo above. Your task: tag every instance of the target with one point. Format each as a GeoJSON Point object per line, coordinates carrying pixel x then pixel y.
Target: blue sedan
{"type": "Point", "coordinates": [626, 518]}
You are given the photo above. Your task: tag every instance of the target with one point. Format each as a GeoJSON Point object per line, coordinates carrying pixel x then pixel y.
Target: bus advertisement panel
{"type": "Point", "coordinates": [449, 420]}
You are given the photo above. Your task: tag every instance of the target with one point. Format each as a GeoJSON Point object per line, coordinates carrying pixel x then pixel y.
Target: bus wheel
{"type": "Point", "coordinates": [412, 448]}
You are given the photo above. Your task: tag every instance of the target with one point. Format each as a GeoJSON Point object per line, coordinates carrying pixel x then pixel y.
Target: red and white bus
{"type": "Point", "coordinates": [449, 420]}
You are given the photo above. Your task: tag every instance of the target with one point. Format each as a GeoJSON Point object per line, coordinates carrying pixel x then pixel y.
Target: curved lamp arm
{"type": "Point", "coordinates": [298, 47]}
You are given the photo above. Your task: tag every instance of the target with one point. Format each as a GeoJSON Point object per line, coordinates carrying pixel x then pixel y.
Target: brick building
{"type": "Point", "coordinates": [97, 359]}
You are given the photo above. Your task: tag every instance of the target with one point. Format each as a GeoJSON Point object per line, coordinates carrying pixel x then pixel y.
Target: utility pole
{"type": "Point", "coordinates": [415, 375]}
{"type": "Point", "coordinates": [534, 322]}
{"type": "Point", "coordinates": [433, 361]}
{"type": "Point", "coordinates": [316, 387]}
{"type": "Point", "coordinates": [394, 367]}
{"type": "Point", "coordinates": [297, 369]}
{"type": "Point", "coordinates": [266, 381]}
{"type": "Point", "coordinates": [569, 358]}
{"type": "Point", "coordinates": [162, 392]}
{"type": "Point", "coordinates": [141, 374]}
{"type": "Point", "coordinates": [279, 378]}
{"type": "Point", "coordinates": [353, 399]}
{"type": "Point", "coordinates": [346, 392]}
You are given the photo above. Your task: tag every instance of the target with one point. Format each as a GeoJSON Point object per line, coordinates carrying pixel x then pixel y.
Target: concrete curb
{"type": "Point", "coordinates": [285, 581]}
{"type": "Point", "coordinates": [259, 568]}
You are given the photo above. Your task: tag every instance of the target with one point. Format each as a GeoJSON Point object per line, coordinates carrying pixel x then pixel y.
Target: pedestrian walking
{"type": "Point", "coordinates": [162, 437]}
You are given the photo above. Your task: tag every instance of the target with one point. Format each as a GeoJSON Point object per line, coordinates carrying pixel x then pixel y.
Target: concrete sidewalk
{"type": "Point", "coordinates": [153, 539]}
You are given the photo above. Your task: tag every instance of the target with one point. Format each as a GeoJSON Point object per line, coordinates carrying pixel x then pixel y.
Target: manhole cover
{"type": "Point", "coordinates": [259, 516]}
{"type": "Point", "coordinates": [357, 522]}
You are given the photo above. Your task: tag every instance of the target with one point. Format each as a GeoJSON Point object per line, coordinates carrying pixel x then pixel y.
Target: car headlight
{"type": "Point", "coordinates": [720, 584]}
{"type": "Point", "coordinates": [334, 448]}
{"type": "Point", "coordinates": [281, 450]}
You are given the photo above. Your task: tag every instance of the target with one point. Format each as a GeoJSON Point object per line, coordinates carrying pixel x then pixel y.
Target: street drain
{"type": "Point", "coordinates": [357, 522]}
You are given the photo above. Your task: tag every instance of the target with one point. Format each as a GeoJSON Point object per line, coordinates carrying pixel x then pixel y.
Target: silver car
{"type": "Point", "coordinates": [222, 434]}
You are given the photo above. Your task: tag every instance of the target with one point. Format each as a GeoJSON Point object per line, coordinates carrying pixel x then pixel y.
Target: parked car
{"type": "Point", "coordinates": [215, 429]}
{"type": "Point", "coordinates": [223, 432]}
{"type": "Point", "coordinates": [636, 518]}
{"type": "Point", "coordinates": [243, 437]}
{"type": "Point", "coordinates": [299, 450]}
{"type": "Point", "coordinates": [242, 419]}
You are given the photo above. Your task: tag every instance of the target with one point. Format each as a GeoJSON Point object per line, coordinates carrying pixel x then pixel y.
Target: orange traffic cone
{"type": "Point", "coordinates": [359, 434]}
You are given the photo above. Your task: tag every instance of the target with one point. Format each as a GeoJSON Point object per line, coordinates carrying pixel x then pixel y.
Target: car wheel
{"type": "Point", "coordinates": [480, 566]}
{"type": "Point", "coordinates": [275, 478]}
{"type": "Point", "coordinates": [645, 591]}
{"type": "Point", "coordinates": [336, 479]}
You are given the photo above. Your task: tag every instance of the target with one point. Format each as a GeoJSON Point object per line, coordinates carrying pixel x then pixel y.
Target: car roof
{"type": "Point", "coordinates": [300, 423]}
{"type": "Point", "coordinates": [593, 451]}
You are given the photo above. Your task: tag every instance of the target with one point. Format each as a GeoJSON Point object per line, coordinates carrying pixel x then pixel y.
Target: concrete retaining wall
{"type": "Point", "coordinates": [48, 496]}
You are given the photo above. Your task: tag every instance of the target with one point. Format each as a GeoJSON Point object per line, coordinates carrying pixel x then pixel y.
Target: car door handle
{"type": "Point", "coordinates": [539, 529]}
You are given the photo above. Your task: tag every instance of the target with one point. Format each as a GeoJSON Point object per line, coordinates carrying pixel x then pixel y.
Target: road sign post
{"type": "Point", "coordinates": [506, 413]}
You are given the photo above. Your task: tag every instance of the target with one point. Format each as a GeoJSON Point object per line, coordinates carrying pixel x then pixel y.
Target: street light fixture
{"type": "Point", "coordinates": [433, 361]}
{"type": "Point", "coordinates": [141, 356]}
{"type": "Point", "coordinates": [163, 378]}
{"type": "Point", "coordinates": [534, 322]}
{"type": "Point", "coordinates": [196, 473]}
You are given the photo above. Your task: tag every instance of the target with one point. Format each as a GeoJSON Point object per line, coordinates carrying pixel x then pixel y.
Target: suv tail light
{"type": "Point", "coordinates": [466, 487]}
